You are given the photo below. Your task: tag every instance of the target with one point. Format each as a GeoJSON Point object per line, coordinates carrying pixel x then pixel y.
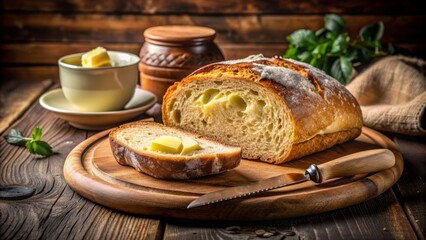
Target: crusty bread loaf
{"type": "Point", "coordinates": [275, 109]}
{"type": "Point", "coordinates": [130, 146]}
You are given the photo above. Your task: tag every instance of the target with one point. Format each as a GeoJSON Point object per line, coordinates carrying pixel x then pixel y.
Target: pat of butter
{"type": "Point", "coordinates": [167, 144]}
{"type": "Point", "coordinates": [97, 57]}
{"type": "Point", "coordinates": [189, 145]}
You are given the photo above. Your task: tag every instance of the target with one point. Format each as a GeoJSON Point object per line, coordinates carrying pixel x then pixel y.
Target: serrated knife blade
{"type": "Point", "coordinates": [349, 165]}
{"type": "Point", "coordinates": [249, 189]}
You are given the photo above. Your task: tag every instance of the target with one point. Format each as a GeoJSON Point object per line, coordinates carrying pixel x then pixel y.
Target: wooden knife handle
{"type": "Point", "coordinates": [356, 163]}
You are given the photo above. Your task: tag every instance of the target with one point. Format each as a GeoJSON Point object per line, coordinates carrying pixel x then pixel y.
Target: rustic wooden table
{"type": "Point", "coordinates": [55, 211]}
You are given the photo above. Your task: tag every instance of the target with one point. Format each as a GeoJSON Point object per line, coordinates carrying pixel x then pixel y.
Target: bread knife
{"type": "Point", "coordinates": [349, 165]}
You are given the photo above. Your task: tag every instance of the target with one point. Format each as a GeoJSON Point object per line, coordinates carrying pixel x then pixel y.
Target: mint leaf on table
{"type": "Point", "coordinates": [15, 137]}
{"type": "Point", "coordinates": [34, 145]}
{"type": "Point", "coordinates": [39, 147]}
{"type": "Point", "coordinates": [37, 132]}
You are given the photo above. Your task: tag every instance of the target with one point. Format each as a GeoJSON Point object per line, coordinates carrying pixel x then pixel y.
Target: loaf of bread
{"type": "Point", "coordinates": [275, 109]}
{"type": "Point", "coordinates": [130, 144]}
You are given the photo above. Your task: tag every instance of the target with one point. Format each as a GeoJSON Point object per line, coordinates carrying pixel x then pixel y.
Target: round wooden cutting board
{"type": "Point", "coordinates": [91, 170]}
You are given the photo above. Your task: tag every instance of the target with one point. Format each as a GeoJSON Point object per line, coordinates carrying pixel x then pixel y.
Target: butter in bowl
{"type": "Point", "coordinates": [99, 80]}
{"type": "Point", "coordinates": [99, 90]}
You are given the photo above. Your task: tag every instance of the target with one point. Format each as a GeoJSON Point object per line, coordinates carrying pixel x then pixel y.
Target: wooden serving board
{"type": "Point", "coordinates": [91, 170]}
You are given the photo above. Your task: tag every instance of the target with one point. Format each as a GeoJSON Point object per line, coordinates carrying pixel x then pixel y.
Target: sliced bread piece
{"type": "Point", "coordinates": [130, 144]}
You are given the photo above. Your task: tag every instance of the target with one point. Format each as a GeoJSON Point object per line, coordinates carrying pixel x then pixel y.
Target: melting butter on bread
{"type": "Point", "coordinates": [130, 144]}
{"type": "Point", "coordinates": [275, 109]}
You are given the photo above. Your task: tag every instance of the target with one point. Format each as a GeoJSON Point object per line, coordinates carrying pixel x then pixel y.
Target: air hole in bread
{"type": "Point", "coordinates": [237, 101]}
{"type": "Point", "coordinates": [270, 126]}
{"type": "Point", "coordinates": [208, 95]}
{"type": "Point", "coordinates": [188, 93]}
{"type": "Point", "coordinates": [176, 116]}
{"type": "Point", "coordinates": [218, 82]}
{"type": "Point", "coordinates": [149, 133]}
{"type": "Point", "coordinates": [261, 103]}
{"type": "Point", "coordinates": [254, 92]}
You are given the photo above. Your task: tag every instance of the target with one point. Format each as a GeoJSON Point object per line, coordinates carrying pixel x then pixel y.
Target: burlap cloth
{"type": "Point", "coordinates": [392, 95]}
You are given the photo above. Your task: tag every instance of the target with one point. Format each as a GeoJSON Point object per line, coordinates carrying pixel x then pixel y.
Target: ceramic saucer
{"type": "Point", "coordinates": [56, 102]}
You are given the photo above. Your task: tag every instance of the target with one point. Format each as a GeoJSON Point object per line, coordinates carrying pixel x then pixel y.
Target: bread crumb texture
{"type": "Point", "coordinates": [267, 106]}
{"type": "Point", "coordinates": [131, 143]}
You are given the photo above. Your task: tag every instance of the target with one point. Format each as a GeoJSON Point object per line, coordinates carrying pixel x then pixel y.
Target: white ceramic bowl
{"type": "Point", "coordinates": [99, 89]}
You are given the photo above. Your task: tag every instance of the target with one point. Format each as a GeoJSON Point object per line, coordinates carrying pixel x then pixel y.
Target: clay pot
{"type": "Point", "coordinates": [170, 53]}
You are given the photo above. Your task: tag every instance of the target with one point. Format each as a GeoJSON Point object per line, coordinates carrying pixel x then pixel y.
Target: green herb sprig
{"type": "Point", "coordinates": [332, 50]}
{"type": "Point", "coordinates": [34, 145]}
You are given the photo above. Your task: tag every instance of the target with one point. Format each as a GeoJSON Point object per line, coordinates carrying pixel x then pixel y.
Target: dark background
{"type": "Point", "coordinates": [36, 33]}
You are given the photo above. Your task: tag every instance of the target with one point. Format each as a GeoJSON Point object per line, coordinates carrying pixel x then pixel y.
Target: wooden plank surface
{"type": "Point", "coordinates": [375, 219]}
{"type": "Point", "coordinates": [43, 53]}
{"type": "Point", "coordinates": [214, 7]}
{"type": "Point", "coordinates": [409, 188]}
{"type": "Point", "coordinates": [55, 211]}
{"type": "Point", "coordinates": [48, 53]}
{"type": "Point", "coordinates": [39, 60]}
{"type": "Point", "coordinates": [99, 28]}
{"type": "Point", "coordinates": [16, 97]}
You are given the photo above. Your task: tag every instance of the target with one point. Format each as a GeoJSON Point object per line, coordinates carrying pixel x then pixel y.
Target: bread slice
{"type": "Point", "coordinates": [275, 109]}
{"type": "Point", "coordinates": [130, 145]}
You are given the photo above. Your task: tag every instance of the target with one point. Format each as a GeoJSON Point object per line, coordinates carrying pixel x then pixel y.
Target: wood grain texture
{"type": "Point", "coordinates": [347, 223]}
{"type": "Point", "coordinates": [49, 53]}
{"type": "Point", "coordinates": [38, 61]}
{"type": "Point", "coordinates": [248, 29]}
{"type": "Point", "coordinates": [42, 53]}
{"type": "Point", "coordinates": [55, 211]}
{"type": "Point", "coordinates": [16, 97]}
{"type": "Point", "coordinates": [411, 189]}
{"type": "Point", "coordinates": [123, 188]}
{"type": "Point", "coordinates": [215, 7]}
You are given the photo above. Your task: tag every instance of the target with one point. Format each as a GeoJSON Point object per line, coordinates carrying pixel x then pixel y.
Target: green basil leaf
{"type": "Point", "coordinates": [39, 147]}
{"type": "Point", "coordinates": [314, 62]}
{"type": "Point", "coordinates": [353, 54]}
{"type": "Point", "coordinates": [331, 36]}
{"type": "Point", "coordinates": [321, 49]}
{"type": "Point", "coordinates": [334, 23]}
{"type": "Point", "coordinates": [303, 38]}
{"type": "Point", "coordinates": [15, 137]}
{"type": "Point", "coordinates": [326, 66]}
{"type": "Point", "coordinates": [321, 32]}
{"type": "Point", "coordinates": [340, 45]}
{"type": "Point", "coordinates": [291, 52]}
{"type": "Point", "coordinates": [305, 56]}
{"type": "Point", "coordinates": [372, 33]}
{"type": "Point", "coordinates": [37, 132]}
{"type": "Point", "coordinates": [346, 67]}
{"type": "Point", "coordinates": [336, 70]}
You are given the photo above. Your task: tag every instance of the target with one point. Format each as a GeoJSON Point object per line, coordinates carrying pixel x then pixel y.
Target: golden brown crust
{"type": "Point", "coordinates": [320, 143]}
{"type": "Point", "coordinates": [328, 117]}
{"type": "Point", "coordinates": [176, 167]}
